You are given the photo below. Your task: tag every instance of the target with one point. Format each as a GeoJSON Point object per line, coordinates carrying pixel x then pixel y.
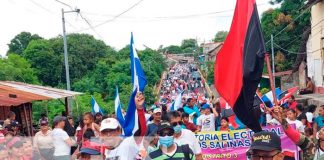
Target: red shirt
{"type": "Point", "coordinates": [190, 126]}
{"type": "Point", "coordinates": [293, 105]}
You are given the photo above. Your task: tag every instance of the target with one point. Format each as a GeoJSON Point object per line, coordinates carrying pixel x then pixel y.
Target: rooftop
{"type": "Point", "coordinates": [16, 93]}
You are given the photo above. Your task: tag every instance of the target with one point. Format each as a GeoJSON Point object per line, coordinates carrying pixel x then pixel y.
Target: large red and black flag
{"type": "Point", "coordinates": [239, 64]}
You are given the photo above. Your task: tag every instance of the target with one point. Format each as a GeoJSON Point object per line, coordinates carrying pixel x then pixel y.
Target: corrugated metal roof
{"type": "Point", "coordinates": [24, 93]}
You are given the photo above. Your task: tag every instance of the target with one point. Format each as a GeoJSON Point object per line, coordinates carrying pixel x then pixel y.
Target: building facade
{"type": "Point", "coordinates": [315, 46]}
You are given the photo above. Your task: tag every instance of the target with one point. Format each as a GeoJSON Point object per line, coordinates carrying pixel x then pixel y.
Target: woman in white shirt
{"type": "Point", "coordinates": [291, 119]}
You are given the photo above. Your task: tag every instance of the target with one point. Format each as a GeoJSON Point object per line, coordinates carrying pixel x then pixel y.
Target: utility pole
{"type": "Point", "coordinates": [273, 63]}
{"type": "Point", "coordinates": [66, 59]}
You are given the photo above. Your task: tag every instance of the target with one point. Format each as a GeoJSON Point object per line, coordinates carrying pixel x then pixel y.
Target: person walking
{"type": "Point", "coordinates": [115, 146]}
{"type": "Point", "coordinates": [61, 140]}
{"type": "Point", "coordinates": [168, 149]}
{"type": "Point", "coordinates": [43, 141]}
{"type": "Point", "coordinates": [184, 136]}
{"type": "Point", "coordinates": [157, 112]}
{"type": "Point", "coordinates": [206, 121]}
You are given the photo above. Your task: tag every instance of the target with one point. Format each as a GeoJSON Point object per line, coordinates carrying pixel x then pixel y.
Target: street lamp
{"type": "Point", "coordinates": [66, 60]}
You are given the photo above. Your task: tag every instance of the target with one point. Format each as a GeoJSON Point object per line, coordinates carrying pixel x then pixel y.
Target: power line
{"type": "Point", "coordinates": [50, 11]}
{"type": "Point", "coordinates": [304, 11]}
{"type": "Point", "coordinates": [89, 24]}
{"type": "Point", "coordinates": [176, 17]}
{"type": "Point", "coordinates": [295, 52]}
{"type": "Point", "coordinates": [114, 18]}
{"type": "Point", "coordinates": [312, 28]}
{"type": "Point", "coordinates": [40, 6]}
{"type": "Point", "coordinates": [65, 4]}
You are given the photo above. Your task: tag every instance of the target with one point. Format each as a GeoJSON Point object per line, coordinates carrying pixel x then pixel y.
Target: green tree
{"type": "Point", "coordinates": [47, 64]}
{"type": "Point", "coordinates": [16, 68]}
{"type": "Point", "coordinates": [287, 23]}
{"type": "Point", "coordinates": [173, 49]}
{"type": "Point", "coordinates": [188, 45]}
{"type": "Point", "coordinates": [220, 36]}
{"type": "Point", "coordinates": [20, 42]}
{"type": "Point", "coordinates": [84, 52]}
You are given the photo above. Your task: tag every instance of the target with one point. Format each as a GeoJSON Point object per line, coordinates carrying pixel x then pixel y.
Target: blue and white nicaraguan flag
{"type": "Point", "coordinates": [118, 108]}
{"type": "Point", "coordinates": [268, 97]}
{"type": "Point", "coordinates": [139, 82]}
{"type": "Point", "coordinates": [95, 106]}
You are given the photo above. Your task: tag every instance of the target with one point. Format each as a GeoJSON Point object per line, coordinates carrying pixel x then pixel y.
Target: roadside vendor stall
{"type": "Point", "coordinates": [18, 97]}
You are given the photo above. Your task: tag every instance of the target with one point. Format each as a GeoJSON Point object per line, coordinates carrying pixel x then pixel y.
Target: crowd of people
{"type": "Point", "coordinates": [169, 134]}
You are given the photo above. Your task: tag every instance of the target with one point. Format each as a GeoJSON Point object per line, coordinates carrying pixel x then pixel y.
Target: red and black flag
{"type": "Point", "coordinates": [239, 64]}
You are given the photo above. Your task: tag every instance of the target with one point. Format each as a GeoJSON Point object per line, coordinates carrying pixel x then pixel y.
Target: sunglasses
{"type": "Point", "coordinates": [166, 133]}
{"type": "Point", "coordinates": [176, 123]}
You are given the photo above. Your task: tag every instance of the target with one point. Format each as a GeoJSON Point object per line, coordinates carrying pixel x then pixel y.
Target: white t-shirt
{"type": "Point", "coordinates": [309, 117]}
{"type": "Point", "coordinates": [188, 137]}
{"type": "Point", "coordinates": [299, 125]}
{"type": "Point", "coordinates": [318, 154]}
{"type": "Point", "coordinates": [127, 149]}
{"type": "Point", "coordinates": [207, 122]}
{"type": "Point", "coordinates": [61, 147]}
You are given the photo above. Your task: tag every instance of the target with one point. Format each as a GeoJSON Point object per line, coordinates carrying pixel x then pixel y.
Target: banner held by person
{"type": "Point", "coordinates": [239, 64]}
{"type": "Point", "coordinates": [234, 144]}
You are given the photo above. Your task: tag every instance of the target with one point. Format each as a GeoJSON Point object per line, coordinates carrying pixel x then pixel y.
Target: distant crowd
{"type": "Point", "coordinates": [169, 132]}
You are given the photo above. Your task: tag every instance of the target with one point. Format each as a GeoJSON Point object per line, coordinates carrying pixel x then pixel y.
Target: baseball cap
{"type": "Point", "coordinates": [109, 123]}
{"type": "Point", "coordinates": [157, 110]}
{"type": "Point", "coordinates": [165, 125]}
{"type": "Point", "coordinates": [205, 106]}
{"type": "Point", "coordinates": [266, 141]}
{"type": "Point", "coordinates": [90, 147]}
{"type": "Point", "coordinates": [58, 119]}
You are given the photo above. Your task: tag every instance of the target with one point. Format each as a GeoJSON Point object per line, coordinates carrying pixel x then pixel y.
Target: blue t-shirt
{"type": "Point", "coordinates": [319, 120]}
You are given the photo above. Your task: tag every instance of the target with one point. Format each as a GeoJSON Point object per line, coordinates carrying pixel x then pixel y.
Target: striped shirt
{"type": "Point", "coordinates": [182, 153]}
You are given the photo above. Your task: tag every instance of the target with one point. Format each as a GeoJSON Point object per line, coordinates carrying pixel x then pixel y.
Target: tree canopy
{"type": "Point", "coordinates": [95, 69]}
{"type": "Point", "coordinates": [20, 42]}
{"type": "Point", "coordinates": [287, 24]}
{"type": "Point", "coordinates": [220, 36]}
{"type": "Point", "coordinates": [16, 68]}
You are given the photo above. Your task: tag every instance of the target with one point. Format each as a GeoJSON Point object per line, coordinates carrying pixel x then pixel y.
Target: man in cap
{"type": "Point", "coordinates": [265, 145]}
{"type": "Point", "coordinates": [157, 113]}
{"type": "Point", "coordinates": [115, 146]}
{"type": "Point", "coordinates": [61, 140]}
{"type": "Point", "coordinates": [183, 136]}
{"type": "Point", "coordinates": [168, 149]}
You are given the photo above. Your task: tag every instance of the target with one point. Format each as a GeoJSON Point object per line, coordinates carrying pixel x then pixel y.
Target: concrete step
{"type": "Point", "coordinates": [308, 99]}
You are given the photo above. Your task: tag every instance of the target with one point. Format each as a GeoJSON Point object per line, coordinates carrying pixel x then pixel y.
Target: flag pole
{"type": "Point", "coordinates": [267, 59]}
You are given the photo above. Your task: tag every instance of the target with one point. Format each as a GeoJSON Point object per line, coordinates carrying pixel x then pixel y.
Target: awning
{"type": "Point", "coordinates": [16, 93]}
